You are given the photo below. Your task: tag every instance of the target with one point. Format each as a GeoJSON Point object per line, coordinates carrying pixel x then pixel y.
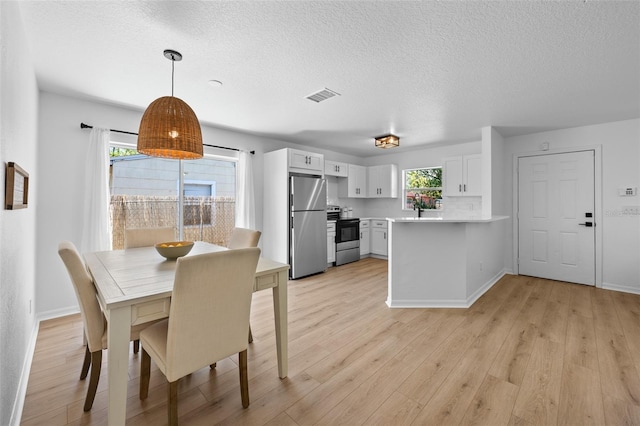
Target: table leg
{"type": "Point", "coordinates": [280, 314]}
{"type": "Point", "coordinates": [118, 363]}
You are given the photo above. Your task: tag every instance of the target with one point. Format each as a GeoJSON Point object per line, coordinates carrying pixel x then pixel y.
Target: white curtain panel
{"type": "Point", "coordinates": [245, 203]}
{"type": "Point", "coordinates": [96, 227]}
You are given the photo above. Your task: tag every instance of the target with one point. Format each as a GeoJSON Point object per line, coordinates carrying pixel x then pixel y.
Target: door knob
{"type": "Point", "coordinates": [587, 224]}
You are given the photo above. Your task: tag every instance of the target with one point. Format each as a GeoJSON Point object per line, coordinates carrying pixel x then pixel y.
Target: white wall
{"type": "Point", "coordinates": [18, 124]}
{"type": "Point", "coordinates": [620, 142]}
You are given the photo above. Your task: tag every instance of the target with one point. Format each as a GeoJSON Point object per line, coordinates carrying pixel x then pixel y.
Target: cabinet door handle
{"type": "Point", "coordinates": [460, 188]}
{"type": "Point", "coordinates": [385, 235]}
{"type": "Point", "coordinates": [465, 187]}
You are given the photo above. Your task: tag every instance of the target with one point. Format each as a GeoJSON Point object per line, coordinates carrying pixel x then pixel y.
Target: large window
{"type": "Point", "coordinates": [144, 194]}
{"type": "Point", "coordinates": [422, 188]}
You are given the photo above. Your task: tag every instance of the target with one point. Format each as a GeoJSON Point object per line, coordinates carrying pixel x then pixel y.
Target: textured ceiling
{"type": "Point", "coordinates": [430, 72]}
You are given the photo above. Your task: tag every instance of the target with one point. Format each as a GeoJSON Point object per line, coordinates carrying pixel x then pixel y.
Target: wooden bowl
{"type": "Point", "coordinates": [174, 249]}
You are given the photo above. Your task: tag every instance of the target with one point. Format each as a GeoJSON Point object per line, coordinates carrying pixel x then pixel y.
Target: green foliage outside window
{"type": "Point", "coordinates": [423, 188]}
{"type": "Point", "coordinates": [115, 151]}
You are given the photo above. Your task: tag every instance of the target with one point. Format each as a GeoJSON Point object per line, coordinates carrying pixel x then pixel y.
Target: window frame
{"type": "Point", "coordinates": [181, 180]}
{"type": "Point", "coordinates": [432, 188]}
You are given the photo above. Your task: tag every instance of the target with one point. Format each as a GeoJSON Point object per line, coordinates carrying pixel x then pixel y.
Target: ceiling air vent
{"type": "Point", "coordinates": [322, 95]}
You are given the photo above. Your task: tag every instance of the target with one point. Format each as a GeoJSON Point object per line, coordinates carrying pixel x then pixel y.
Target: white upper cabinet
{"type": "Point", "coordinates": [306, 162]}
{"type": "Point", "coordinates": [334, 168]}
{"type": "Point", "coordinates": [382, 181]}
{"type": "Point", "coordinates": [355, 185]}
{"type": "Point", "coordinates": [462, 176]}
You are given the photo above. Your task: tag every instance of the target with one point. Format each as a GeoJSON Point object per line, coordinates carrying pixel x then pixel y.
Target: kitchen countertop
{"type": "Point", "coordinates": [450, 219]}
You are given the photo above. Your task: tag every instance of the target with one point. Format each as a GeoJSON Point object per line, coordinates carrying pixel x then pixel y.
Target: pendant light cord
{"type": "Point", "coordinates": [173, 64]}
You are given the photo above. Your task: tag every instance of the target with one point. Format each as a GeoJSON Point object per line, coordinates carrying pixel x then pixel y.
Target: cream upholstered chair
{"type": "Point", "coordinates": [208, 320]}
{"type": "Point", "coordinates": [95, 324]}
{"type": "Point", "coordinates": [145, 237]}
{"type": "Point", "coordinates": [242, 238]}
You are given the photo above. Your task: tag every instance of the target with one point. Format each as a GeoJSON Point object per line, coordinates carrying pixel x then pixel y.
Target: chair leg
{"type": "Point", "coordinates": [86, 364]}
{"type": "Point", "coordinates": [136, 346]}
{"type": "Point", "coordinates": [250, 335]}
{"type": "Point", "coordinates": [145, 368]}
{"type": "Point", "coordinates": [173, 403]}
{"type": "Point", "coordinates": [96, 365]}
{"type": "Point", "coordinates": [244, 379]}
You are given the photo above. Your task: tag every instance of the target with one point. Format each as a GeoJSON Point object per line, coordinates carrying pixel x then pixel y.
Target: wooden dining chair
{"type": "Point", "coordinates": [242, 238]}
{"type": "Point", "coordinates": [145, 237]}
{"type": "Point", "coordinates": [95, 324]}
{"type": "Point", "coordinates": [208, 320]}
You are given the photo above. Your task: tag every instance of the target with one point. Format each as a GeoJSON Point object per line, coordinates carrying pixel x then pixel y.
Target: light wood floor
{"type": "Point", "coordinates": [529, 352]}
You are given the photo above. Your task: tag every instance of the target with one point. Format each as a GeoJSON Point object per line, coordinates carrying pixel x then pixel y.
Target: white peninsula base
{"type": "Point", "coordinates": [443, 263]}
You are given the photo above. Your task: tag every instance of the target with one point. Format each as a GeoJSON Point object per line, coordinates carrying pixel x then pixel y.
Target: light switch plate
{"type": "Point", "coordinates": [628, 191]}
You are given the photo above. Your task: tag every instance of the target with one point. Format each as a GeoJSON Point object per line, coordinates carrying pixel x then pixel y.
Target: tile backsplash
{"type": "Point", "coordinates": [469, 206]}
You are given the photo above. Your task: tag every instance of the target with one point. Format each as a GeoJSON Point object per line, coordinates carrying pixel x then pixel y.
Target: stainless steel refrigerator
{"type": "Point", "coordinates": [308, 225]}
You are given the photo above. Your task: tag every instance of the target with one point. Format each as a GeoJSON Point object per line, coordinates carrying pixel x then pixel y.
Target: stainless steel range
{"type": "Point", "coordinates": [347, 240]}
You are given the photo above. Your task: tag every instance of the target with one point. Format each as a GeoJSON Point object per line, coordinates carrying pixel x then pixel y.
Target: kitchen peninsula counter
{"type": "Point", "coordinates": [447, 261]}
{"type": "Point", "coordinates": [446, 219]}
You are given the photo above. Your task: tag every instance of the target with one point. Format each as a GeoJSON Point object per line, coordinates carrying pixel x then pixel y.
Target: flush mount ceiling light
{"type": "Point", "coordinates": [387, 141]}
{"type": "Point", "coordinates": [169, 128]}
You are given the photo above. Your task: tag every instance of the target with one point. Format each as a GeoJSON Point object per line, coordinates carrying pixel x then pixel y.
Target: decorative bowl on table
{"type": "Point", "coordinates": [174, 249]}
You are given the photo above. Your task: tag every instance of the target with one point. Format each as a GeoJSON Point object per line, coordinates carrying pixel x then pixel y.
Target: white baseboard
{"type": "Point", "coordinates": [18, 405]}
{"type": "Point", "coordinates": [484, 288]}
{"type": "Point", "coordinates": [622, 288]}
{"type": "Point", "coordinates": [57, 313]}
{"type": "Point", "coordinates": [451, 303]}
{"type": "Point", "coordinates": [426, 303]}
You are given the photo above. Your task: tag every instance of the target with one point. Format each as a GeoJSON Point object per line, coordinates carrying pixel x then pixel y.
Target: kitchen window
{"type": "Point", "coordinates": [144, 194]}
{"type": "Point", "coordinates": [422, 188]}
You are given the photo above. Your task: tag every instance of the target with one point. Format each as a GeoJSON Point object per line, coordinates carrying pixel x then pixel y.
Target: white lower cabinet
{"type": "Point", "coordinates": [379, 237]}
{"type": "Point", "coordinates": [331, 242]}
{"type": "Point", "coordinates": [365, 240]}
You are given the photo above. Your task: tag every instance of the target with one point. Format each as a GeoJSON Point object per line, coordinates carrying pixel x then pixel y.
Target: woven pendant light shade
{"type": "Point", "coordinates": [170, 129]}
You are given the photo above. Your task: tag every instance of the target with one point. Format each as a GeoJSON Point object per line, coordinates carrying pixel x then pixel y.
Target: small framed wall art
{"type": "Point", "coordinates": [16, 190]}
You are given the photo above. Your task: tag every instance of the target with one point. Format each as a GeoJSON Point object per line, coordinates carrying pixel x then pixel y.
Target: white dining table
{"type": "Point", "coordinates": [134, 286]}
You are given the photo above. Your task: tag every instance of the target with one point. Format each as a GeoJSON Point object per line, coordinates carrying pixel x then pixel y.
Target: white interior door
{"type": "Point", "coordinates": [556, 223]}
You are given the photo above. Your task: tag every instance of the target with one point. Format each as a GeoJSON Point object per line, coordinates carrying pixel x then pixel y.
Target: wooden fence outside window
{"type": "Point", "coordinates": [209, 219]}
